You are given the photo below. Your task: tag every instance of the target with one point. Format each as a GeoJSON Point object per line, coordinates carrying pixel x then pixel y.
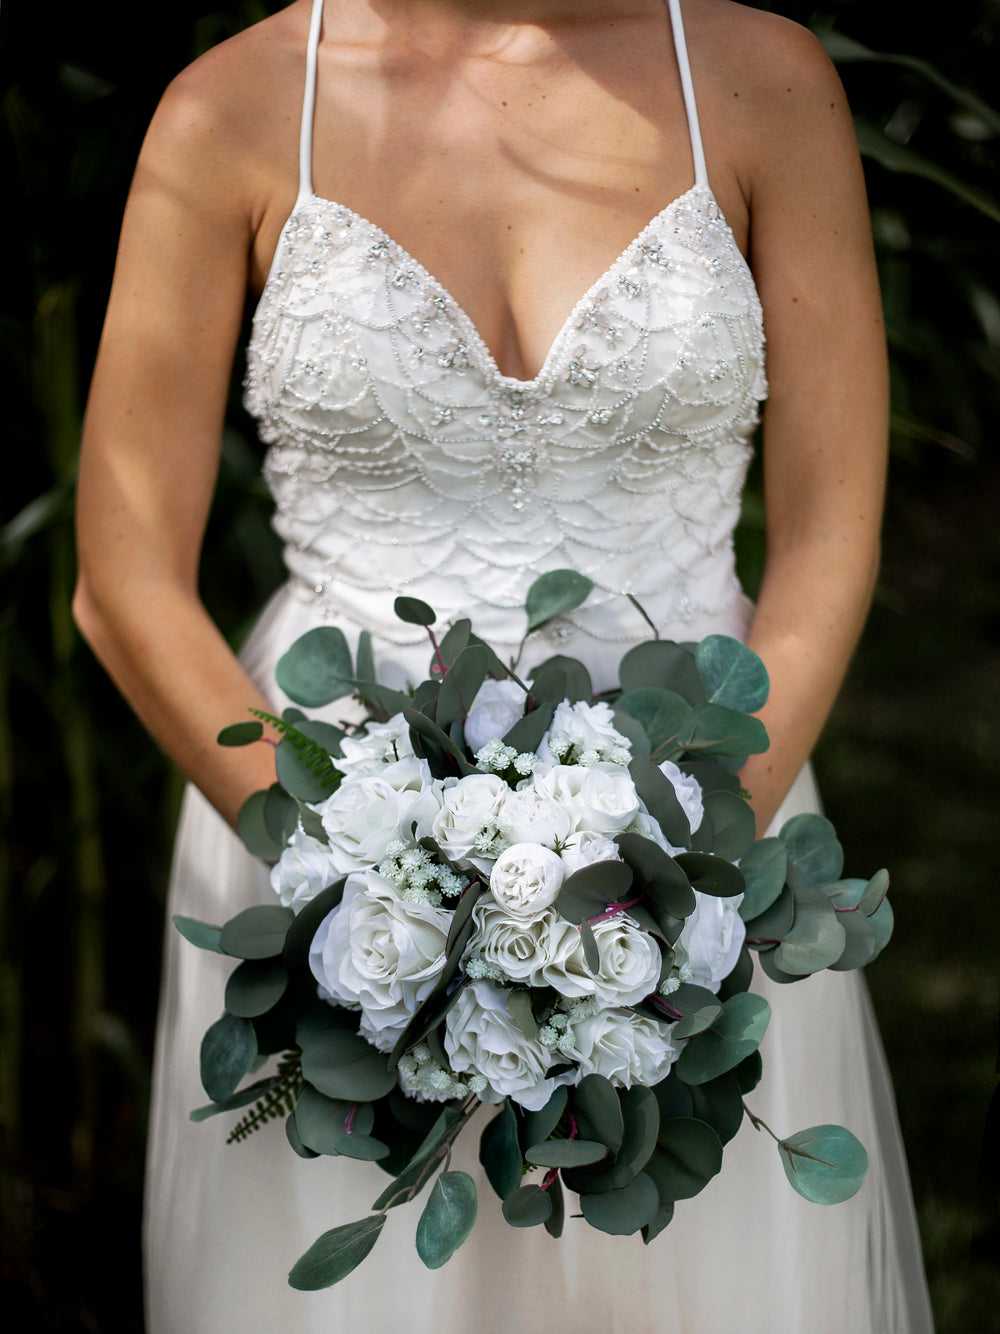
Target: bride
{"type": "Point", "coordinates": [514, 261]}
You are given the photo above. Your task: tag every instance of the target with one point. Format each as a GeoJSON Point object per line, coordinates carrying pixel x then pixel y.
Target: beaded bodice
{"type": "Point", "coordinates": [402, 460]}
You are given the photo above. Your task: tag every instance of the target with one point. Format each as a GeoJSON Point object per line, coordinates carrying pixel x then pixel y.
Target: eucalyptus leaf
{"type": "Point", "coordinates": [343, 1065]}
{"type": "Point", "coordinates": [764, 866]}
{"type": "Point", "coordinates": [447, 1219]}
{"type": "Point", "coordinates": [536, 1126]}
{"type": "Point", "coordinates": [527, 1207]}
{"type": "Point", "coordinates": [733, 825]}
{"type": "Point", "coordinates": [875, 892]}
{"type": "Point", "coordinates": [415, 1168]}
{"type": "Point", "coordinates": [454, 641]}
{"type": "Point", "coordinates": [591, 949]}
{"type": "Point", "coordinates": [565, 1153]}
{"type": "Point", "coordinates": [254, 986]}
{"type": "Point", "coordinates": [813, 846]}
{"type": "Point", "coordinates": [709, 874]}
{"type": "Point", "coordinates": [770, 968]}
{"type": "Point", "coordinates": [732, 673]}
{"type": "Point", "coordinates": [712, 729]}
{"type": "Point", "coordinates": [662, 713]}
{"type": "Point", "coordinates": [860, 947]}
{"type": "Point", "coordinates": [253, 830]}
{"type": "Point", "coordinates": [641, 1122]}
{"type": "Point", "coordinates": [664, 664]}
{"type": "Point", "coordinates": [882, 921]}
{"type": "Point", "coordinates": [240, 734]}
{"type": "Point", "coordinates": [460, 686]}
{"type": "Point", "coordinates": [202, 935]}
{"type": "Point", "coordinates": [519, 1009]}
{"type": "Point", "coordinates": [335, 1254]}
{"type": "Point", "coordinates": [624, 1211]}
{"type": "Point", "coordinates": [554, 1222]}
{"type": "Point", "coordinates": [298, 941]}
{"type": "Point", "coordinates": [414, 612]}
{"type": "Point", "coordinates": [549, 685]}
{"type": "Point", "coordinates": [365, 657]}
{"type": "Point", "coordinates": [317, 668]}
{"type": "Point", "coordinates": [527, 732]}
{"type": "Point", "coordinates": [500, 1152]}
{"type": "Point", "coordinates": [301, 778]}
{"type": "Point", "coordinates": [696, 1021]}
{"type": "Point", "coordinates": [773, 924]}
{"type": "Point", "coordinates": [688, 1154]}
{"type": "Point", "coordinates": [596, 1100]}
{"type": "Point", "coordinates": [749, 1072]}
{"type": "Point", "coordinates": [228, 1051]}
{"type": "Point", "coordinates": [586, 893]}
{"type": "Point", "coordinates": [817, 938]}
{"type": "Point", "coordinates": [555, 593]}
{"type": "Point", "coordinates": [661, 1219]}
{"type": "Point", "coordinates": [719, 1103]}
{"type": "Point", "coordinates": [579, 688]}
{"type": "Point", "coordinates": [258, 932]}
{"type": "Point", "coordinates": [243, 1098]}
{"type": "Point", "coordinates": [658, 796]}
{"type": "Point", "coordinates": [734, 1035]}
{"type": "Point", "coordinates": [633, 732]}
{"type": "Point", "coordinates": [825, 1164]}
{"type": "Point", "coordinates": [295, 1139]}
{"type": "Point", "coordinates": [656, 874]}
{"type": "Point", "coordinates": [322, 1122]}
{"type": "Point", "coordinates": [364, 1148]}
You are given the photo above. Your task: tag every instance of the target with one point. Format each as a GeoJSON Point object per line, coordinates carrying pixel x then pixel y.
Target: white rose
{"type": "Point", "coordinates": [469, 814]}
{"type": "Point", "coordinates": [625, 1048]}
{"type": "Point", "coordinates": [585, 848]}
{"type": "Point", "coordinates": [584, 732]}
{"type": "Point", "coordinates": [496, 708]}
{"type": "Point", "coordinates": [711, 939]}
{"type": "Point", "coordinates": [366, 814]}
{"type": "Point", "coordinates": [382, 743]}
{"type": "Point", "coordinates": [688, 793]}
{"type": "Point", "coordinates": [379, 953]}
{"type": "Point", "coordinates": [630, 962]}
{"type": "Point", "coordinates": [526, 878]}
{"type": "Point", "coordinates": [303, 870]}
{"type": "Point", "coordinates": [529, 816]}
{"type": "Point", "coordinates": [601, 798]}
{"type": "Point", "coordinates": [527, 949]}
{"type": "Point", "coordinates": [481, 1038]}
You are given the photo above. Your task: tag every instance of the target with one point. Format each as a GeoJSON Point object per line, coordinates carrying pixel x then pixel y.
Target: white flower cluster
{"type": "Point", "coordinates": [523, 826]}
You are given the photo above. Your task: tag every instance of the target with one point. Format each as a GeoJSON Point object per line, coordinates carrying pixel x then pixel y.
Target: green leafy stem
{"type": "Point", "coordinates": [312, 755]}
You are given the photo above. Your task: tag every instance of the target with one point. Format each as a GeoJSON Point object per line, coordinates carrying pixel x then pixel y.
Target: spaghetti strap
{"type": "Point", "coordinates": [683, 64]}
{"type": "Point", "coordinates": [309, 104]}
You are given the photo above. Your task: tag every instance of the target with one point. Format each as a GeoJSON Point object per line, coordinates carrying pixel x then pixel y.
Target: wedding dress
{"type": "Point", "coordinates": [403, 461]}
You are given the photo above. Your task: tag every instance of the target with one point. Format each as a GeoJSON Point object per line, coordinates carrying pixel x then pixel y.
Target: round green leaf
{"type": "Point", "coordinates": [200, 933]}
{"type": "Point", "coordinates": [813, 846]}
{"type": "Point", "coordinates": [587, 892]}
{"type": "Point", "coordinates": [711, 729]}
{"type": "Point", "coordinates": [343, 1065]}
{"type": "Point", "coordinates": [500, 1153]}
{"type": "Point", "coordinates": [732, 673]}
{"type": "Point", "coordinates": [253, 830]}
{"type": "Point", "coordinates": [860, 947]}
{"type": "Point", "coordinates": [565, 1153]}
{"type": "Point", "coordinates": [295, 1139]}
{"type": "Point", "coordinates": [527, 1207]}
{"type": "Point", "coordinates": [579, 687]}
{"type": "Point", "coordinates": [734, 1035]}
{"type": "Point", "coordinates": [696, 1021]}
{"type": "Point", "coordinates": [662, 663]}
{"type": "Point", "coordinates": [656, 874]}
{"type": "Point", "coordinates": [258, 932]}
{"type": "Point", "coordinates": [519, 1009]}
{"type": "Point", "coordinates": [719, 1103]}
{"type": "Point", "coordinates": [333, 1255]}
{"type": "Point", "coordinates": [882, 922]}
{"type": "Point", "coordinates": [711, 875]}
{"type": "Point", "coordinates": [414, 612]}
{"type": "Point", "coordinates": [825, 1164]}
{"type": "Point", "coordinates": [460, 686]}
{"type": "Point", "coordinates": [554, 594]}
{"type": "Point", "coordinates": [596, 1101]}
{"type": "Point", "coordinates": [662, 713]}
{"type": "Point", "coordinates": [228, 1050]}
{"type": "Point", "coordinates": [240, 734]}
{"type": "Point", "coordinates": [622, 1212]}
{"type": "Point", "coordinates": [875, 892]}
{"type": "Point", "coordinates": [295, 952]}
{"type": "Point", "coordinates": [305, 776]}
{"type": "Point", "coordinates": [556, 1219]}
{"type": "Point", "coordinates": [536, 1126]}
{"type": "Point", "coordinates": [817, 938]}
{"type": "Point", "coordinates": [641, 1122]}
{"type": "Point", "coordinates": [658, 796]}
{"type": "Point", "coordinates": [362, 1147]}
{"type": "Point", "coordinates": [322, 1121]}
{"type": "Point", "coordinates": [764, 866]}
{"type": "Point", "coordinates": [733, 825]}
{"type": "Point", "coordinates": [687, 1156]}
{"type": "Point", "coordinates": [317, 668]}
{"type": "Point", "coordinates": [447, 1219]}
{"type": "Point", "coordinates": [749, 1072]}
{"type": "Point", "coordinates": [774, 922]}
{"type": "Point", "coordinates": [254, 986]}
{"type": "Point", "coordinates": [661, 1219]}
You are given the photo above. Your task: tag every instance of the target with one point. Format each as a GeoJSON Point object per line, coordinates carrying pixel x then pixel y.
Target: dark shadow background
{"type": "Point", "coordinates": [908, 764]}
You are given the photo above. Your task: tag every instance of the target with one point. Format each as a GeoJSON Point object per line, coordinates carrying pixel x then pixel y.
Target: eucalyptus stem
{"type": "Point", "coordinates": [644, 614]}
{"type": "Point", "coordinates": [758, 1124]}
{"type": "Point", "coordinates": [442, 1152]}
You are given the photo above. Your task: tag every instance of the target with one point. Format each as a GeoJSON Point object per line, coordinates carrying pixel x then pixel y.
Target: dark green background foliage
{"type": "Point", "coordinates": [908, 764]}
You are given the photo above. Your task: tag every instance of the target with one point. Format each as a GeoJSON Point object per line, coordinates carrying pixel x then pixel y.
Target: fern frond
{"type": "Point", "coordinates": [310, 752]}
{"type": "Point", "coordinates": [276, 1103]}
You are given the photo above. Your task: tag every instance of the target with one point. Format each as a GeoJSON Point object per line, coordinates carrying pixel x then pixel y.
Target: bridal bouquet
{"type": "Point", "coordinates": [523, 894]}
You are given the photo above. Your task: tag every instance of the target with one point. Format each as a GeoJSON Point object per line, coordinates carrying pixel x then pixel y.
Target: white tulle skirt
{"type": "Point", "coordinates": [224, 1224]}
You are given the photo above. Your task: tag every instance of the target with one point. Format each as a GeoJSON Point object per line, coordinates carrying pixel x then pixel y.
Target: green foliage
{"type": "Point", "coordinates": [275, 1098]}
{"type": "Point", "coordinates": [825, 1164]}
{"type": "Point", "coordinates": [554, 594]}
{"type": "Point", "coordinates": [447, 1219]}
{"type": "Point", "coordinates": [335, 1254]}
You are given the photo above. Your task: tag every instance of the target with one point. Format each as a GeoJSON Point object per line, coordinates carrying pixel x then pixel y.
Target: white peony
{"type": "Point", "coordinates": [688, 793]}
{"type": "Point", "coordinates": [482, 1038]}
{"type": "Point", "coordinates": [367, 755]}
{"type": "Point", "coordinates": [526, 878]}
{"type": "Point", "coordinates": [365, 815]}
{"type": "Point", "coordinates": [601, 798]}
{"type": "Point", "coordinates": [304, 869]}
{"type": "Point", "coordinates": [529, 816]}
{"type": "Point", "coordinates": [584, 733]}
{"type": "Point", "coordinates": [625, 1048]}
{"type": "Point", "coordinates": [496, 708]}
{"type": "Point", "coordinates": [711, 940]}
{"type": "Point", "coordinates": [378, 953]}
{"type": "Point", "coordinates": [585, 848]}
{"type": "Point", "coordinates": [469, 815]}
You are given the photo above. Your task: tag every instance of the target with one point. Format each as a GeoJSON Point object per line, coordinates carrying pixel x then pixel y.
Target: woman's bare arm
{"type": "Point", "coordinates": [825, 424]}
{"type": "Point", "coordinates": [153, 427]}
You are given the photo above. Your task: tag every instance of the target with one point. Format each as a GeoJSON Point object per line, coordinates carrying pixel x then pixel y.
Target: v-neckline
{"type": "Point", "coordinates": [459, 313]}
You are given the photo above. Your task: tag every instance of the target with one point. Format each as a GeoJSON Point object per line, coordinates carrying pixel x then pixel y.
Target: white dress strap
{"type": "Point", "coordinates": [684, 65]}
{"type": "Point", "coordinates": [309, 104]}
